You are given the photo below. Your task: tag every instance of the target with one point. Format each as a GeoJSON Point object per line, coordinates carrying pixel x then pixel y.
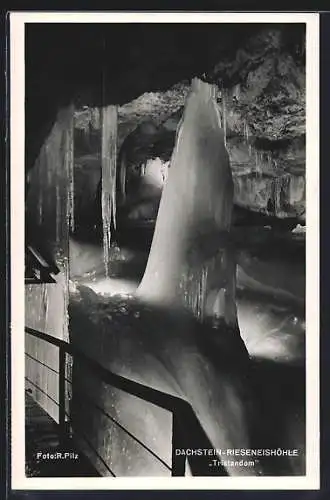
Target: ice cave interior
{"type": "Point", "coordinates": [165, 180]}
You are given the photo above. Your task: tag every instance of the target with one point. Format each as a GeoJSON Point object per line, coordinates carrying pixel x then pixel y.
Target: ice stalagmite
{"type": "Point", "coordinates": [109, 169]}
{"type": "Point", "coordinates": [194, 216]}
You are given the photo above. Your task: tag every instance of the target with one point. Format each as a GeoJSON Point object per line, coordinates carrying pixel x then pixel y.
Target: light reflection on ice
{"type": "Point", "coordinates": [110, 286]}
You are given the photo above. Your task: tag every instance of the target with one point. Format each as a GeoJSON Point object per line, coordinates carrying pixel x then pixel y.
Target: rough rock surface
{"type": "Point", "coordinates": [261, 96]}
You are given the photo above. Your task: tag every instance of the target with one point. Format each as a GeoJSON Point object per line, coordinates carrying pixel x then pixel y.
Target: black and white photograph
{"type": "Point", "coordinates": [164, 188]}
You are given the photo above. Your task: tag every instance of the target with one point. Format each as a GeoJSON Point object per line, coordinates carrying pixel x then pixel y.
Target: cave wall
{"type": "Point", "coordinates": [48, 214]}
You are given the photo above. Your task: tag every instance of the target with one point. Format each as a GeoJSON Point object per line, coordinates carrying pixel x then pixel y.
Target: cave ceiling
{"type": "Point", "coordinates": [146, 70]}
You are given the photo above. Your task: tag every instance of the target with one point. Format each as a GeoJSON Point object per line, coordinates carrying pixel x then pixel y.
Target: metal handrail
{"type": "Point", "coordinates": [177, 406]}
{"type": "Point", "coordinates": [143, 445]}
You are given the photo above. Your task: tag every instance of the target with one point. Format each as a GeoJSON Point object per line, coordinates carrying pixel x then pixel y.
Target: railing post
{"type": "Point", "coordinates": [61, 390]}
{"type": "Point", "coordinates": [178, 445]}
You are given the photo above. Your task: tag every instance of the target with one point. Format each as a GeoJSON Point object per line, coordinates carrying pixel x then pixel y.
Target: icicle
{"type": "Point", "coordinates": [277, 191]}
{"type": "Point", "coordinates": [256, 162]}
{"type": "Point", "coordinates": [214, 280]}
{"type": "Point", "coordinates": [224, 116]}
{"type": "Point", "coordinates": [203, 292]}
{"type": "Point", "coordinates": [246, 132]}
{"type": "Point", "coordinates": [220, 117]}
{"type": "Point", "coordinates": [123, 173]}
{"type": "Point", "coordinates": [109, 163]}
{"type": "Point", "coordinates": [69, 169]}
{"type": "Point", "coordinates": [269, 160]}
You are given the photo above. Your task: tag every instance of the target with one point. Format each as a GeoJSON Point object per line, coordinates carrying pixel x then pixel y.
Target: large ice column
{"type": "Point", "coordinates": [195, 207]}
{"type": "Point", "coordinates": [109, 175]}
